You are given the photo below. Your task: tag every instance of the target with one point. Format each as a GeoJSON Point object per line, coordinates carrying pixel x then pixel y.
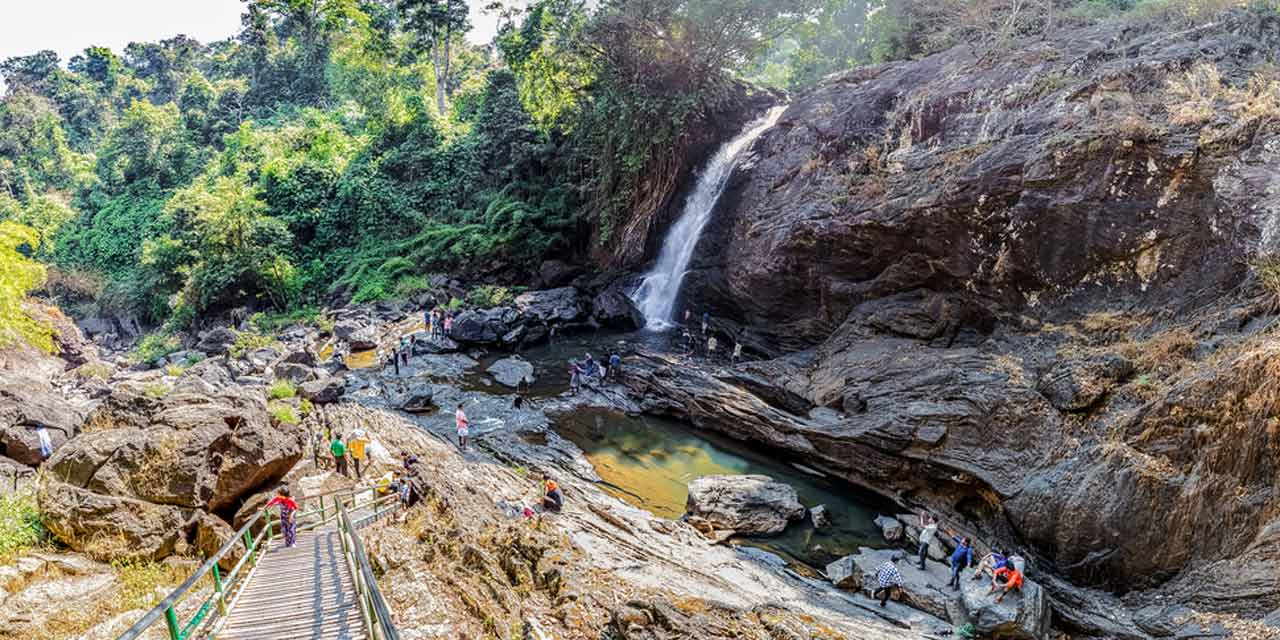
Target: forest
{"type": "Point", "coordinates": [340, 149]}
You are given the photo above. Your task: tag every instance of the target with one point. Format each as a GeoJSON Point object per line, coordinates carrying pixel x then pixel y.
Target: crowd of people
{"type": "Point", "coordinates": [1005, 570]}
{"type": "Point", "coordinates": [705, 344]}
{"type": "Point", "coordinates": [590, 372]}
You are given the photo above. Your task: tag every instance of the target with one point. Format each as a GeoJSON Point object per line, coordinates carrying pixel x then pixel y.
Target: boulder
{"type": "Point", "coordinates": [303, 357]}
{"type": "Point", "coordinates": [216, 341]}
{"type": "Point", "coordinates": [746, 504]}
{"type": "Point", "coordinates": [295, 373]}
{"type": "Point", "coordinates": [414, 396]}
{"type": "Point", "coordinates": [925, 590]}
{"type": "Point", "coordinates": [152, 464]}
{"type": "Point", "coordinates": [22, 442]}
{"type": "Point", "coordinates": [434, 346]}
{"type": "Point", "coordinates": [211, 532]}
{"type": "Point", "coordinates": [483, 327]}
{"type": "Point", "coordinates": [27, 404]}
{"type": "Point", "coordinates": [820, 517]}
{"type": "Point", "coordinates": [510, 371]}
{"type": "Point", "coordinates": [889, 527]}
{"type": "Point", "coordinates": [844, 574]}
{"type": "Point", "coordinates": [324, 391]}
{"type": "Point", "coordinates": [260, 359]}
{"type": "Point", "coordinates": [359, 333]}
{"type": "Point", "coordinates": [551, 306]}
{"type": "Point", "coordinates": [613, 309]}
{"type": "Point", "coordinates": [557, 273]}
{"type": "Point", "coordinates": [1020, 616]}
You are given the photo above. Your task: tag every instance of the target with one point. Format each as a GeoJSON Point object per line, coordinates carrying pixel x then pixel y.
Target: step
{"type": "Point", "coordinates": [348, 620]}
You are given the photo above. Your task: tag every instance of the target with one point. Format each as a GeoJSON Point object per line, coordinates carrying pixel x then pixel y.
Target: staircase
{"type": "Point", "coordinates": [303, 592]}
{"type": "Point", "coordinates": [322, 588]}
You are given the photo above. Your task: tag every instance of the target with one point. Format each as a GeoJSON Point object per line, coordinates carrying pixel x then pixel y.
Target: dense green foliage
{"type": "Point", "coordinates": [349, 148]}
{"type": "Point", "coordinates": [20, 526]}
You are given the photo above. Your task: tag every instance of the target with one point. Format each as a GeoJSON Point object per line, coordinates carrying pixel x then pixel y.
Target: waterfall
{"type": "Point", "coordinates": [656, 295]}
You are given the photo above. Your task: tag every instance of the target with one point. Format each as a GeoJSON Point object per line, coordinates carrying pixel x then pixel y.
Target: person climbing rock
{"type": "Point", "coordinates": [1004, 580]}
{"type": "Point", "coordinates": [464, 426]}
{"type": "Point", "coordinates": [552, 499]}
{"type": "Point", "coordinates": [994, 561]}
{"type": "Point", "coordinates": [356, 443]}
{"type": "Point", "coordinates": [339, 451]}
{"type": "Point", "coordinates": [888, 579]}
{"type": "Point", "coordinates": [960, 558]}
{"type": "Point", "coordinates": [929, 530]}
{"type": "Point", "coordinates": [288, 515]}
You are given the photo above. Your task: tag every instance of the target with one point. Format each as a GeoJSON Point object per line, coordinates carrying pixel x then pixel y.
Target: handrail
{"type": "Point", "coordinates": [373, 607]}
{"type": "Point", "coordinates": [166, 609]}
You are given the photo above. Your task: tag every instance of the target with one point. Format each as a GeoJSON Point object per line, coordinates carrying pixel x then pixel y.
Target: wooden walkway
{"type": "Point", "coordinates": [301, 593]}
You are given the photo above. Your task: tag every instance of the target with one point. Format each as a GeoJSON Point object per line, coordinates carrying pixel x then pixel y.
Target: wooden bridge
{"type": "Point", "coordinates": [323, 588]}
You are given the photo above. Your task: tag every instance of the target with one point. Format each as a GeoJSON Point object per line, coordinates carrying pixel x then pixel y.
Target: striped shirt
{"type": "Point", "coordinates": [887, 575]}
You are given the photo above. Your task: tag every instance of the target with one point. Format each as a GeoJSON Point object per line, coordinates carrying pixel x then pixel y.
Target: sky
{"type": "Point", "coordinates": [69, 26]}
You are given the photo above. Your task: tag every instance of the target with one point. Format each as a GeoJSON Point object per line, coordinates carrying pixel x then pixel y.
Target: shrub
{"type": "Point", "coordinates": [20, 525]}
{"type": "Point", "coordinates": [283, 414]}
{"type": "Point", "coordinates": [489, 296]}
{"type": "Point", "coordinates": [247, 341]}
{"type": "Point", "coordinates": [175, 370]}
{"type": "Point", "coordinates": [157, 390]}
{"type": "Point", "coordinates": [154, 346]}
{"type": "Point", "coordinates": [94, 371]}
{"type": "Point", "coordinates": [305, 407]}
{"type": "Point", "coordinates": [144, 584]}
{"type": "Point", "coordinates": [282, 389]}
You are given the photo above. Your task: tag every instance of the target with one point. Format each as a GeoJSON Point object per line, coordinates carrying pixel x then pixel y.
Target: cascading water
{"type": "Point", "coordinates": [656, 296]}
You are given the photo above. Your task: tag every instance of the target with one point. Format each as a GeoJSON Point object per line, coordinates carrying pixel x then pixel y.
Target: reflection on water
{"type": "Point", "coordinates": [649, 462]}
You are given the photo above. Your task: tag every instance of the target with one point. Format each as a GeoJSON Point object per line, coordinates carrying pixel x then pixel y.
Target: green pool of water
{"type": "Point", "coordinates": [649, 463]}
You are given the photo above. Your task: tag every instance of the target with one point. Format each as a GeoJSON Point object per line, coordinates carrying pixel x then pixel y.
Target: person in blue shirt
{"type": "Point", "coordinates": [960, 558]}
{"type": "Point", "coordinates": [995, 561]}
{"type": "Point", "coordinates": [615, 366]}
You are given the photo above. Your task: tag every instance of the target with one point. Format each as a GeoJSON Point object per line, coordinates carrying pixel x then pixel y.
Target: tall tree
{"type": "Point", "coordinates": [436, 23]}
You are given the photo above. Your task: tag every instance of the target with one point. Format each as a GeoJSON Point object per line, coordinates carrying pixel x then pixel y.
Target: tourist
{"type": "Point", "coordinates": [930, 524]}
{"type": "Point", "coordinates": [615, 365]}
{"type": "Point", "coordinates": [1012, 579]}
{"type": "Point", "coordinates": [706, 322]}
{"type": "Point", "coordinates": [395, 359]}
{"type": "Point", "coordinates": [993, 561]}
{"type": "Point", "coordinates": [356, 443]}
{"type": "Point", "coordinates": [464, 426]}
{"type": "Point", "coordinates": [288, 519]}
{"type": "Point", "coordinates": [46, 443]}
{"type": "Point", "coordinates": [408, 460]}
{"type": "Point", "coordinates": [552, 500]}
{"type": "Point", "coordinates": [737, 352]}
{"type": "Point", "coordinates": [428, 319]}
{"type": "Point", "coordinates": [888, 579]}
{"type": "Point", "coordinates": [406, 347]}
{"type": "Point", "coordinates": [339, 452]}
{"type": "Point", "coordinates": [575, 377]}
{"type": "Point", "coordinates": [687, 339]}
{"type": "Point", "coordinates": [448, 325]}
{"type": "Point", "coordinates": [960, 558]}
{"type": "Point", "coordinates": [711, 347]}
{"type": "Point", "coordinates": [688, 315]}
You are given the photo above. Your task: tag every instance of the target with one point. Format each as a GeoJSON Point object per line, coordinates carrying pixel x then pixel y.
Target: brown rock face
{"type": "Point", "coordinates": [199, 449]}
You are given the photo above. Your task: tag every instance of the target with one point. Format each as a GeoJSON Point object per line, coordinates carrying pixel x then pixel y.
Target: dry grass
{"type": "Point", "coordinates": [1200, 95]}
{"type": "Point", "coordinates": [1164, 354]}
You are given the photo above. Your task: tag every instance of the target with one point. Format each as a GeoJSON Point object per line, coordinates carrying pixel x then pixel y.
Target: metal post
{"type": "Point", "coordinates": [322, 518]}
{"type": "Point", "coordinates": [171, 620]}
{"type": "Point", "coordinates": [217, 586]}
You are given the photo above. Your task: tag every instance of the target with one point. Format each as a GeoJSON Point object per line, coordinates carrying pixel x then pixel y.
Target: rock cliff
{"type": "Point", "coordinates": [1028, 289]}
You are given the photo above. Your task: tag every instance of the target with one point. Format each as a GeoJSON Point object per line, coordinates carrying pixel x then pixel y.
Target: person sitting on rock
{"type": "Point", "coordinates": [552, 499]}
{"type": "Point", "coordinates": [889, 581]}
{"type": "Point", "coordinates": [1006, 579]}
{"type": "Point", "coordinates": [615, 366]}
{"type": "Point", "coordinates": [993, 561]}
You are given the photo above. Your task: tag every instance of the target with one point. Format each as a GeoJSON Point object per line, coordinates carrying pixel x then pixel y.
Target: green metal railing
{"type": "Point", "coordinates": [332, 507]}
{"type": "Point", "coordinates": [373, 608]}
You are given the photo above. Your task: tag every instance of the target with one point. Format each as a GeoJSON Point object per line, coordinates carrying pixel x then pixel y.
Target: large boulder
{"type": "Point", "coordinates": [483, 327]}
{"type": "Point", "coordinates": [414, 396]}
{"type": "Point", "coordinates": [557, 273]}
{"type": "Point", "coordinates": [359, 333]}
{"type": "Point", "coordinates": [510, 371]}
{"type": "Point", "coordinates": [211, 533]}
{"type": "Point", "coordinates": [200, 448]}
{"type": "Point", "coordinates": [889, 527]}
{"type": "Point", "coordinates": [216, 341]}
{"type": "Point", "coordinates": [1019, 616]}
{"type": "Point", "coordinates": [612, 308]}
{"type": "Point", "coordinates": [295, 373]}
{"type": "Point", "coordinates": [325, 390]}
{"type": "Point", "coordinates": [746, 504]}
{"type": "Point", "coordinates": [551, 306]}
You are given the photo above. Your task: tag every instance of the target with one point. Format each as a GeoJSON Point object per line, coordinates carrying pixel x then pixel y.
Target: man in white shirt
{"type": "Point", "coordinates": [930, 524]}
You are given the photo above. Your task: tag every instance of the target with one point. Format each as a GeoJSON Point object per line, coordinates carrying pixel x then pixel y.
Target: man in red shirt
{"type": "Point", "coordinates": [1012, 580]}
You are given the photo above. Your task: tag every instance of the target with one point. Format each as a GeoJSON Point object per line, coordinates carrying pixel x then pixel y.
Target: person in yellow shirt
{"type": "Point", "coordinates": [356, 447]}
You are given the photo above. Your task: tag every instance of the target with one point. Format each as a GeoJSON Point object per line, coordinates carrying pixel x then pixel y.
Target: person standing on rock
{"type": "Point", "coordinates": [448, 325]}
{"type": "Point", "coordinates": [888, 579]}
{"type": "Point", "coordinates": [737, 351]}
{"type": "Point", "coordinates": [357, 443]}
{"type": "Point", "coordinates": [706, 322]}
{"type": "Point", "coordinates": [339, 452]}
{"type": "Point", "coordinates": [464, 426]}
{"type": "Point", "coordinates": [960, 558]}
{"type": "Point", "coordinates": [711, 347]}
{"type": "Point", "coordinates": [930, 524]}
{"type": "Point", "coordinates": [288, 516]}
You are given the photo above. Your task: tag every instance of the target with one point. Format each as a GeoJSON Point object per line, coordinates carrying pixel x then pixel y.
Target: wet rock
{"type": "Point", "coordinates": [819, 516]}
{"type": "Point", "coordinates": [747, 504]}
{"type": "Point", "coordinates": [613, 309]}
{"type": "Point", "coordinates": [510, 371]}
{"type": "Point", "coordinates": [889, 527]}
{"type": "Point", "coordinates": [551, 306]}
{"type": "Point", "coordinates": [216, 341]}
{"type": "Point", "coordinates": [324, 391]}
{"type": "Point", "coordinates": [514, 337]}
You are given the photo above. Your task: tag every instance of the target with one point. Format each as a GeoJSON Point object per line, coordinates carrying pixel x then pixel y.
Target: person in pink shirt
{"type": "Point", "coordinates": [464, 427]}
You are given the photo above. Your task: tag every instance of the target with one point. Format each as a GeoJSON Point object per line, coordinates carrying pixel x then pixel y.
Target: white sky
{"type": "Point", "coordinates": [69, 26]}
